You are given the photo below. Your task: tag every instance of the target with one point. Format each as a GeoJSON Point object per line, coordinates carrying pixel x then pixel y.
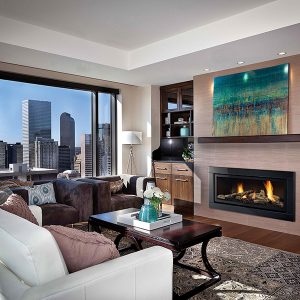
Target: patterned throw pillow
{"type": "Point", "coordinates": [4, 194]}
{"type": "Point", "coordinates": [16, 205]}
{"type": "Point", "coordinates": [116, 186]}
{"type": "Point", "coordinates": [41, 194]}
{"type": "Point", "coordinates": [82, 249]}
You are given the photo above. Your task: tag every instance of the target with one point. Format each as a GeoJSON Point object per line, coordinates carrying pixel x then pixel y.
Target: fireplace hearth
{"type": "Point", "coordinates": [257, 192]}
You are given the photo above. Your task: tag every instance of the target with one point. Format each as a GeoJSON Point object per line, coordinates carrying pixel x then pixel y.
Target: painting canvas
{"type": "Point", "coordinates": [251, 103]}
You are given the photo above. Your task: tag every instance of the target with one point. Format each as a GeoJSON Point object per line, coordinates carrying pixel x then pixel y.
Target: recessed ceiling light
{"type": "Point", "coordinates": [206, 69]}
{"type": "Point", "coordinates": [281, 53]}
{"type": "Point", "coordinates": [240, 62]}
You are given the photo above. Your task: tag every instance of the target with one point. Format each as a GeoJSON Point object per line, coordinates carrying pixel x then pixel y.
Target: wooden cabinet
{"type": "Point", "coordinates": [177, 178]}
{"type": "Point", "coordinates": [177, 110]}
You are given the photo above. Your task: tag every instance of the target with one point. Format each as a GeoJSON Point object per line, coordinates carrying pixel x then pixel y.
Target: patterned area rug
{"type": "Point", "coordinates": [248, 271]}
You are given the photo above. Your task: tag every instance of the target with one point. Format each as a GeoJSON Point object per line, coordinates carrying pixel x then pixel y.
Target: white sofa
{"type": "Point", "coordinates": [32, 267]}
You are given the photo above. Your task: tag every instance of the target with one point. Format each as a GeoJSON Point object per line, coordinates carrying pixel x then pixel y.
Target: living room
{"type": "Point", "coordinates": [155, 79]}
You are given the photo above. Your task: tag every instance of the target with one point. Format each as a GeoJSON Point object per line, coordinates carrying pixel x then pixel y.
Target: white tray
{"type": "Point", "coordinates": [131, 219]}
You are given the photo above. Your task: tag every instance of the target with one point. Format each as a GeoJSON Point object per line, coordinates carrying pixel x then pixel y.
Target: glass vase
{"type": "Point", "coordinates": [148, 212]}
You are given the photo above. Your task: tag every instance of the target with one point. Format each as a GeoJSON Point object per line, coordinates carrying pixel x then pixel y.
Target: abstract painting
{"type": "Point", "coordinates": [251, 103]}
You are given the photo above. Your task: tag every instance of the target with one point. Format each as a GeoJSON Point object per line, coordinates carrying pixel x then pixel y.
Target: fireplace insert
{"type": "Point", "coordinates": [257, 192]}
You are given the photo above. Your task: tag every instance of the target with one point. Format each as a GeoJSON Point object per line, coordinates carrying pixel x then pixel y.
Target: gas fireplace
{"type": "Point", "coordinates": [257, 192]}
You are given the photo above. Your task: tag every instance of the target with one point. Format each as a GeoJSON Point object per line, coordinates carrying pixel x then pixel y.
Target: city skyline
{"type": "Point", "coordinates": [75, 102]}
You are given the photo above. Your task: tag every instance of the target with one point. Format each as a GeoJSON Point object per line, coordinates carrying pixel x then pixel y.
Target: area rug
{"type": "Point", "coordinates": [248, 271]}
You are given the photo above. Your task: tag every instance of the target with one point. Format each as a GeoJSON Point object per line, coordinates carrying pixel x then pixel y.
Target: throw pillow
{"type": "Point", "coordinates": [116, 186]}
{"type": "Point", "coordinates": [11, 183]}
{"type": "Point", "coordinates": [4, 194]}
{"type": "Point", "coordinates": [82, 249]}
{"type": "Point", "coordinates": [16, 205]}
{"type": "Point", "coordinates": [41, 194]}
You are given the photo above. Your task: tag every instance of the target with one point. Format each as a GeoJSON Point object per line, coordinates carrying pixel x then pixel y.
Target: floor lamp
{"type": "Point", "coordinates": [131, 138]}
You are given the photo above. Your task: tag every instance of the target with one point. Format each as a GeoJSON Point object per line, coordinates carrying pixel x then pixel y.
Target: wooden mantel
{"type": "Point", "coordinates": [285, 138]}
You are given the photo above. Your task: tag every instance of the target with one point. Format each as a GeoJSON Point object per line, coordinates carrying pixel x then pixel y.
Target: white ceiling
{"type": "Point", "coordinates": [146, 42]}
{"type": "Point", "coordinates": [123, 24]}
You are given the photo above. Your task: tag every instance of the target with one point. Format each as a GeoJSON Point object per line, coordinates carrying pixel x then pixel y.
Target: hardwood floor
{"type": "Point", "coordinates": [264, 237]}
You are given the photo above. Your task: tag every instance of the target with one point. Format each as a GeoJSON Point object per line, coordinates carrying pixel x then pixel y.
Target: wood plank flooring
{"type": "Point", "coordinates": [264, 237]}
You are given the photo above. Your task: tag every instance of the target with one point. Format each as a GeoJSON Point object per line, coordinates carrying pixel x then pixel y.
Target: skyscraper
{"type": "Point", "coordinates": [86, 155]}
{"type": "Point", "coordinates": [46, 153]}
{"type": "Point", "coordinates": [36, 122]}
{"type": "Point", "coordinates": [104, 149]}
{"type": "Point", "coordinates": [64, 158]}
{"type": "Point", "coordinates": [14, 153]}
{"type": "Point", "coordinates": [67, 134]}
{"type": "Point", "coordinates": [3, 160]}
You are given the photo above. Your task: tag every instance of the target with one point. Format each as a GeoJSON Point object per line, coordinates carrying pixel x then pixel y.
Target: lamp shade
{"type": "Point", "coordinates": [131, 137]}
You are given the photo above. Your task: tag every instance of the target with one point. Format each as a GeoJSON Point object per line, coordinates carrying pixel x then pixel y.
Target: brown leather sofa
{"type": "Point", "coordinates": [105, 201]}
{"type": "Point", "coordinates": [74, 202]}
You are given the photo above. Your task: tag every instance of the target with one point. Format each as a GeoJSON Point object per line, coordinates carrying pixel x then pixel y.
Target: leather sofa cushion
{"type": "Point", "coordinates": [82, 249]}
{"type": "Point", "coordinates": [122, 201]}
{"type": "Point", "coordinates": [29, 251]}
{"type": "Point", "coordinates": [59, 214]}
{"type": "Point", "coordinates": [16, 205]}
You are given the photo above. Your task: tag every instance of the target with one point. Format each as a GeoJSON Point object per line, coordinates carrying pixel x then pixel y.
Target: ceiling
{"type": "Point", "coordinates": [146, 42]}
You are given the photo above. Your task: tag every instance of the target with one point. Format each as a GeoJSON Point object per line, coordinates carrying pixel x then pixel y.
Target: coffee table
{"type": "Point", "coordinates": [177, 237]}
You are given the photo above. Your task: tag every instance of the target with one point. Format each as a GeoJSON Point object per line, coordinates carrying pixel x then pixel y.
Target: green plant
{"type": "Point", "coordinates": [187, 154]}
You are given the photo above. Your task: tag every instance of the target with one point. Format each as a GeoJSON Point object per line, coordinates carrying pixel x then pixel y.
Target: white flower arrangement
{"type": "Point", "coordinates": [156, 195]}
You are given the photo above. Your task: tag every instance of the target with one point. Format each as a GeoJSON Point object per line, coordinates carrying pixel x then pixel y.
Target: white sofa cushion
{"type": "Point", "coordinates": [29, 251]}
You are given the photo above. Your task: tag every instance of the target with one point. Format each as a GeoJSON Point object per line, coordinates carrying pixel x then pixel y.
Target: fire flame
{"type": "Point", "coordinates": [269, 189]}
{"type": "Point", "coordinates": [254, 196]}
{"type": "Point", "coordinates": [240, 188]}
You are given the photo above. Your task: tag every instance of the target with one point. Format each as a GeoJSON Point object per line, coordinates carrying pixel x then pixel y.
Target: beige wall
{"type": "Point", "coordinates": [135, 111]}
{"type": "Point", "coordinates": [274, 156]}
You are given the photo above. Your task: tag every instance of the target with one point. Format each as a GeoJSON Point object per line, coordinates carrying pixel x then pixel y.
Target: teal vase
{"type": "Point", "coordinates": [148, 212]}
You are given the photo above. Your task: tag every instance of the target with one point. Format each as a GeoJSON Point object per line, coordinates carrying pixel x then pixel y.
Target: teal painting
{"type": "Point", "coordinates": [251, 103]}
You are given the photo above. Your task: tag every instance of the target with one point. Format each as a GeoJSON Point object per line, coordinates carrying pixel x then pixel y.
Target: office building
{"type": "Point", "coordinates": [86, 155]}
{"type": "Point", "coordinates": [36, 123]}
{"type": "Point", "coordinates": [67, 134]}
{"type": "Point", "coordinates": [104, 149]}
{"type": "Point", "coordinates": [14, 153]}
{"type": "Point", "coordinates": [64, 158]}
{"type": "Point", "coordinates": [3, 159]}
{"type": "Point", "coordinates": [46, 153]}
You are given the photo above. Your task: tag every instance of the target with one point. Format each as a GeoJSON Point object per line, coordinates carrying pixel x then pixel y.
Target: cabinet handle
{"type": "Point", "coordinates": [182, 170]}
{"type": "Point", "coordinates": [182, 180]}
{"type": "Point", "coordinates": [161, 178]}
{"type": "Point", "coordinates": [158, 168]}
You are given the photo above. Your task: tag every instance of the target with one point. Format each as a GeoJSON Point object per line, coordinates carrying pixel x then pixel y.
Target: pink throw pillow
{"type": "Point", "coordinates": [82, 249]}
{"type": "Point", "coordinates": [16, 205]}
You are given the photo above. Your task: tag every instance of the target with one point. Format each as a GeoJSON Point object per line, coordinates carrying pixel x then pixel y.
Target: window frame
{"type": "Point", "coordinates": [94, 89]}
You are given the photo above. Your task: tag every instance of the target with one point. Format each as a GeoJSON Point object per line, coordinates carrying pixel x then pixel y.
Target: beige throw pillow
{"type": "Point", "coordinates": [16, 205]}
{"type": "Point", "coordinates": [82, 249]}
{"type": "Point", "coordinates": [116, 186]}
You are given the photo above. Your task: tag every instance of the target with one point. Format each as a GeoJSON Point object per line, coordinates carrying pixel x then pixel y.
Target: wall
{"type": "Point", "coordinates": [275, 156]}
{"type": "Point", "coordinates": [134, 110]}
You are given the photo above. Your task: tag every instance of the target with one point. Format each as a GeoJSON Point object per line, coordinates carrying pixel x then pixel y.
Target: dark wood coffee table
{"type": "Point", "coordinates": [177, 237]}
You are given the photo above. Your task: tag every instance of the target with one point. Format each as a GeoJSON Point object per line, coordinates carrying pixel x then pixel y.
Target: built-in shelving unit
{"type": "Point", "coordinates": [177, 109]}
{"type": "Point", "coordinates": [285, 138]}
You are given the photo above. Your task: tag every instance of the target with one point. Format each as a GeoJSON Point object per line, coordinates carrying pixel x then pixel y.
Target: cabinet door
{"type": "Point", "coordinates": [163, 181]}
{"type": "Point", "coordinates": [182, 188]}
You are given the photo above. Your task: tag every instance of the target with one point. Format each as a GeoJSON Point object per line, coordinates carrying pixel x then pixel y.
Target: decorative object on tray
{"type": "Point", "coordinates": [166, 219]}
{"type": "Point", "coordinates": [187, 154]}
{"type": "Point", "coordinates": [148, 213]}
{"type": "Point", "coordinates": [251, 103]}
{"type": "Point", "coordinates": [156, 196]}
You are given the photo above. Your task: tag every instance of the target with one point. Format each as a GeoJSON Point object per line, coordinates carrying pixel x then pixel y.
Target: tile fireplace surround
{"type": "Point", "coordinates": [264, 156]}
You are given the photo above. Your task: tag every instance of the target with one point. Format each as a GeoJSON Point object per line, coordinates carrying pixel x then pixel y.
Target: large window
{"type": "Point", "coordinates": [58, 125]}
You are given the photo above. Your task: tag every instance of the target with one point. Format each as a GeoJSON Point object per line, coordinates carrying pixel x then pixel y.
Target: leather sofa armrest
{"type": "Point", "coordinates": [101, 194]}
{"type": "Point", "coordinates": [146, 274]}
{"type": "Point", "coordinates": [76, 194]}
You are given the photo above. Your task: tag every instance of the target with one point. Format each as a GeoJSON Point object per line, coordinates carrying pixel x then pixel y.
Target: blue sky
{"type": "Point", "coordinates": [75, 102]}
